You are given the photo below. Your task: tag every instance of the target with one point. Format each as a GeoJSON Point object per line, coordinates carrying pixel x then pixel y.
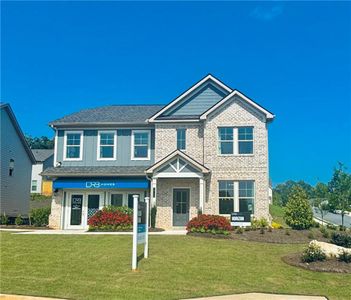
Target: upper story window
{"type": "Point", "coordinates": [73, 145]}
{"type": "Point", "coordinates": [181, 138]}
{"type": "Point", "coordinates": [140, 145]}
{"type": "Point", "coordinates": [245, 140]}
{"type": "Point", "coordinates": [226, 140]}
{"type": "Point", "coordinates": [34, 185]}
{"type": "Point", "coordinates": [107, 141]}
{"type": "Point", "coordinates": [235, 140]}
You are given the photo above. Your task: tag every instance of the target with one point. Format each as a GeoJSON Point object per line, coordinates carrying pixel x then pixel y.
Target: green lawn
{"type": "Point", "coordinates": [277, 213]}
{"type": "Point", "coordinates": [98, 267]}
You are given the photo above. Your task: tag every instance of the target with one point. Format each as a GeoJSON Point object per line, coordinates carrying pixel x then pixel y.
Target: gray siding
{"type": "Point", "coordinates": [14, 190]}
{"type": "Point", "coordinates": [90, 142]}
{"type": "Point", "coordinates": [48, 162]}
{"type": "Point", "coordinates": [198, 102]}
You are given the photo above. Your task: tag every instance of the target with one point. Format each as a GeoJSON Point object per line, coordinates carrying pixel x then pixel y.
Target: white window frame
{"type": "Point", "coordinates": [81, 132]}
{"type": "Point", "coordinates": [36, 185]}
{"type": "Point", "coordinates": [148, 148]}
{"type": "Point", "coordinates": [114, 145]}
{"type": "Point", "coordinates": [236, 141]}
{"type": "Point", "coordinates": [181, 128]}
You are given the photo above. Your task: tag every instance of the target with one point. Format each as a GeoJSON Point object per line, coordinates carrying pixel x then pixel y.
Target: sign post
{"type": "Point", "coordinates": [140, 228]}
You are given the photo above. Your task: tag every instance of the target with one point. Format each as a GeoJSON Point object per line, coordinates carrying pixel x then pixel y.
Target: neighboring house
{"type": "Point", "coordinates": [16, 166]}
{"type": "Point", "coordinates": [206, 151]}
{"type": "Point", "coordinates": [45, 159]}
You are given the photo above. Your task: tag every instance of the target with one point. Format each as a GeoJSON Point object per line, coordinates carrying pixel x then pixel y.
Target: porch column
{"type": "Point", "coordinates": [201, 194]}
{"type": "Point", "coordinates": [153, 192]}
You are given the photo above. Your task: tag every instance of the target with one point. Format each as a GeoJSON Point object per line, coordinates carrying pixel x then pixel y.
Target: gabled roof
{"type": "Point", "coordinates": [109, 115]}
{"type": "Point", "coordinates": [267, 113]}
{"type": "Point", "coordinates": [8, 109]}
{"type": "Point", "coordinates": [174, 154]}
{"type": "Point", "coordinates": [42, 155]}
{"type": "Point", "coordinates": [203, 81]}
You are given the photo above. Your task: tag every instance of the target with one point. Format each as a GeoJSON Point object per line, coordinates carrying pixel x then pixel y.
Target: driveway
{"type": "Point", "coordinates": [334, 218]}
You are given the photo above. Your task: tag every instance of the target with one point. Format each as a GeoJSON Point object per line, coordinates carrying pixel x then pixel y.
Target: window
{"type": "Point", "coordinates": [34, 185]}
{"type": "Point", "coordinates": [226, 140]}
{"type": "Point", "coordinates": [181, 138]}
{"type": "Point", "coordinates": [117, 199]}
{"type": "Point", "coordinates": [236, 196]}
{"type": "Point", "coordinates": [246, 196]}
{"type": "Point", "coordinates": [73, 145]}
{"type": "Point", "coordinates": [226, 196]}
{"type": "Point", "coordinates": [141, 144]}
{"type": "Point", "coordinates": [235, 140]}
{"type": "Point", "coordinates": [11, 167]}
{"type": "Point", "coordinates": [107, 145]}
{"type": "Point", "coordinates": [245, 140]}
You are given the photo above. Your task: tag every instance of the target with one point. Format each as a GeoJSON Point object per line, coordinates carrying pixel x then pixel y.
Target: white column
{"type": "Point", "coordinates": [201, 194]}
{"type": "Point", "coordinates": [153, 194]}
{"type": "Point", "coordinates": [146, 246]}
{"type": "Point", "coordinates": [236, 196]}
{"type": "Point", "coordinates": [135, 233]}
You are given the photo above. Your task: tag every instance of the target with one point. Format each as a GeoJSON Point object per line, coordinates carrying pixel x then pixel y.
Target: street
{"type": "Point", "coordinates": [334, 218]}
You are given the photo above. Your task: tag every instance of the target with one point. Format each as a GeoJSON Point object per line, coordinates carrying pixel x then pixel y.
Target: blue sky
{"type": "Point", "coordinates": [294, 58]}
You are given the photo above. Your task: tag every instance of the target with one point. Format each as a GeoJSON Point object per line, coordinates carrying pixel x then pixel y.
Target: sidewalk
{"type": "Point", "coordinates": [261, 296]}
{"type": "Point", "coordinates": [84, 232]}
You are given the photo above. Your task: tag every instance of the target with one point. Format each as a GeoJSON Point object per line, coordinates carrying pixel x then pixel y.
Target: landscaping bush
{"type": "Point", "coordinates": [111, 219]}
{"type": "Point", "coordinates": [123, 209]}
{"type": "Point", "coordinates": [259, 223]}
{"type": "Point", "coordinates": [153, 216]}
{"type": "Point", "coordinates": [313, 253]}
{"type": "Point", "coordinates": [39, 197]}
{"type": "Point", "coordinates": [209, 223]}
{"type": "Point", "coordinates": [276, 225]}
{"type": "Point", "coordinates": [324, 232]}
{"type": "Point", "coordinates": [298, 211]}
{"type": "Point", "coordinates": [345, 256]}
{"type": "Point", "coordinates": [4, 220]}
{"type": "Point", "coordinates": [342, 239]}
{"type": "Point", "coordinates": [19, 220]}
{"type": "Point", "coordinates": [40, 216]}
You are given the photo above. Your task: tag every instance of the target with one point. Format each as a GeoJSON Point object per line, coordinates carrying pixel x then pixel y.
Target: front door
{"type": "Point", "coordinates": [180, 207]}
{"type": "Point", "coordinates": [76, 211]}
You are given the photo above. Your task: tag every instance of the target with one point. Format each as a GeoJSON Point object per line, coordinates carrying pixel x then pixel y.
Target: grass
{"type": "Point", "coordinates": [277, 213]}
{"type": "Point", "coordinates": [98, 267]}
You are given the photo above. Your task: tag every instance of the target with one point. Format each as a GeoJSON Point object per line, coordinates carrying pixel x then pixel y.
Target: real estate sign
{"type": "Point", "coordinates": [240, 219]}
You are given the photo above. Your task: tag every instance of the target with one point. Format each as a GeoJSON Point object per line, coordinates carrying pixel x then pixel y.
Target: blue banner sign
{"type": "Point", "coordinates": [141, 233]}
{"type": "Point", "coordinates": [96, 183]}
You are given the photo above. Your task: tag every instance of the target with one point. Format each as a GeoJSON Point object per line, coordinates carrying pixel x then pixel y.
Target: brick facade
{"type": "Point", "coordinates": [56, 210]}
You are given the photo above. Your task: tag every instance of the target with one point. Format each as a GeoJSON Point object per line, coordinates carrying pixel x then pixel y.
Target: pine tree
{"type": "Point", "coordinates": [298, 211]}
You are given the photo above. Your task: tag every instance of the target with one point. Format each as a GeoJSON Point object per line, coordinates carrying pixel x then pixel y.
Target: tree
{"type": "Point", "coordinates": [40, 142]}
{"type": "Point", "coordinates": [281, 191]}
{"type": "Point", "coordinates": [322, 205]}
{"type": "Point", "coordinates": [340, 191]}
{"type": "Point", "coordinates": [298, 211]}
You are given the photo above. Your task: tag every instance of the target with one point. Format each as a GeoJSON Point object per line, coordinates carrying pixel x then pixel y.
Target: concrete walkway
{"type": "Point", "coordinates": [19, 297]}
{"type": "Point", "coordinates": [261, 296]}
{"type": "Point", "coordinates": [84, 232]}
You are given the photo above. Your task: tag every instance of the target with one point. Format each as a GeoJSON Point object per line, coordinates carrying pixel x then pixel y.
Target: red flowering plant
{"type": "Point", "coordinates": [111, 219]}
{"type": "Point", "coordinates": [210, 224]}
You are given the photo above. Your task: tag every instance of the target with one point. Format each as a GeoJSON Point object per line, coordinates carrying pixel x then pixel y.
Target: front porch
{"type": "Point", "coordinates": [178, 189]}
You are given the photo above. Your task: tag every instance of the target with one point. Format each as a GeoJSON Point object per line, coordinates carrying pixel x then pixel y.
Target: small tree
{"type": "Point", "coordinates": [298, 211]}
{"type": "Point", "coordinates": [340, 191]}
{"type": "Point", "coordinates": [322, 205]}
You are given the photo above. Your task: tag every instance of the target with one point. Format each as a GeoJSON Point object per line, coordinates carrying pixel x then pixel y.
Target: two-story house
{"type": "Point", "coordinates": [206, 151]}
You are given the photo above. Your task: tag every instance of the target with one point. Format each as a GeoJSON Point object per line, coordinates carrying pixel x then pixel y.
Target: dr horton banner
{"type": "Point", "coordinates": [98, 183]}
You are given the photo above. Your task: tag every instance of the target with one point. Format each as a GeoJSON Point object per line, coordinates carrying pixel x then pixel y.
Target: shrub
{"type": "Point", "coordinates": [342, 239]}
{"type": "Point", "coordinates": [210, 224]}
{"type": "Point", "coordinates": [332, 227]}
{"type": "Point", "coordinates": [19, 220]}
{"type": "Point", "coordinates": [4, 220]}
{"type": "Point", "coordinates": [240, 230]}
{"type": "Point", "coordinates": [40, 216]}
{"type": "Point", "coordinates": [276, 225]}
{"type": "Point", "coordinates": [259, 223]}
{"type": "Point", "coordinates": [315, 224]}
{"type": "Point", "coordinates": [153, 216]}
{"type": "Point", "coordinates": [344, 256]}
{"type": "Point", "coordinates": [123, 209]}
{"type": "Point", "coordinates": [39, 197]}
{"type": "Point", "coordinates": [313, 253]}
{"type": "Point", "coordinates": [324, 232]}
{"type": "Point", "coordinates": [111, 219]}
{"type": "Point", "coordinates": [298, 212]}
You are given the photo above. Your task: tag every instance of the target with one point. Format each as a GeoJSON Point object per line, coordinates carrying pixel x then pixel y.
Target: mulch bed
{"type": "Point", "coordinates": [23, 227]}
{"type": "Point", "coordinates": [328, 265]}
{"type": "Point", "coordinates": [278, 236]}
{"type": "Point", "coordinates": [129, 230]}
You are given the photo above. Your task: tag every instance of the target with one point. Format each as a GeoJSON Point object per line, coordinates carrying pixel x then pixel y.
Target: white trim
{"type": "Point", "coordinates": [186, 93]}
{"type": "Point", "coordinates": [148, 148]}
{"type": "Point", "coordinates": [178, 175]}
{"type": "Point", "coordinates": [81, 132]}
{"type": "Point", "coordinates": [236, 142]}
{"type": "Point", "coordinates": [201, 194]}
{"type": "Point", "coordinates": [55, 147]}
{"type": "Point", "coordinates": [114, 145]}
{"type": "Point", "coordinates": [230, 96]}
